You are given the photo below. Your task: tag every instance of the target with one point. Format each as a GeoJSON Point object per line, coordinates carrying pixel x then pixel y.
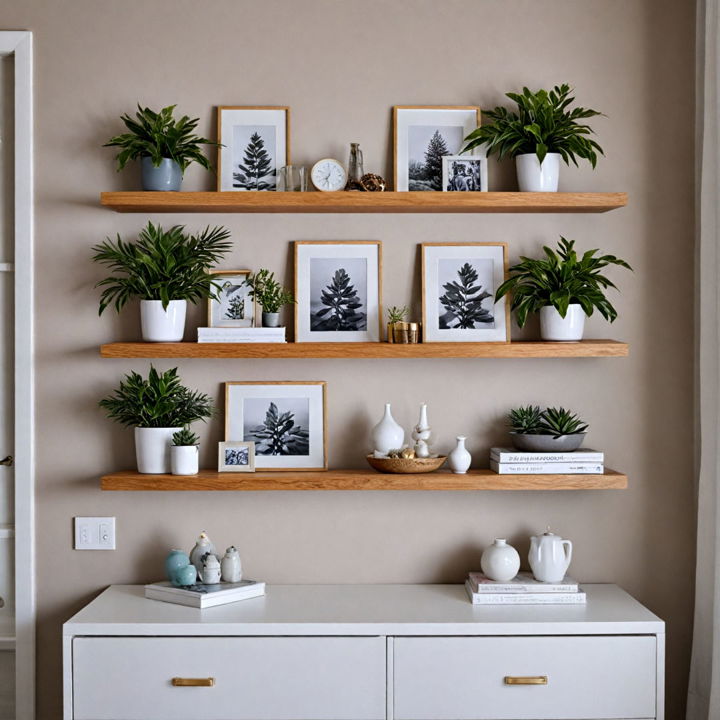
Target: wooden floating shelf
{"type": "Point", "coordinates": [362, 202]}
{"type": "Point", "coordinates": [360, 480]}
{"type": "Point", "coordinates": [345, 351]}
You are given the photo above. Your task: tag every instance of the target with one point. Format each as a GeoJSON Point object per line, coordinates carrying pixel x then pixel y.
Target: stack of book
{"type": "Point", "coordinates": [523, 590]}
{"type": "Point", "coordinates": [241, 335]}
{"type": "Point", "coordinates": [204, 596]}
{"type": "Point", "coordinates": [506, 461]}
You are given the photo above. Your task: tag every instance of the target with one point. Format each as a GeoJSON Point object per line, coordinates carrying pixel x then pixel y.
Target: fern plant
{"type": "Point", "coordinates": [542, 124]}
{"type": "Point", "coordinates": [279, 435]}
{"type": "Point", "coordinates": [162, 265]}
{"type": "Point", "coordinates": [160, 401]}
{"type": "Point", "coordinates": [559, 279]}
{"type": "Point", "coordinates": [341, 304]}
{"type": "Point", "coordinates": [463, 300]}
{"type": "Point", "coordinates": [268, 292]}
{"type": "Point", "coordinates": [159, 135]}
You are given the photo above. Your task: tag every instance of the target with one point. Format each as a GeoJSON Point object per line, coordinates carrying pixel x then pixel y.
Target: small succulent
{"type": "Point", "coordinates": [185, 437]}
{"type": "Point", "coordinates": [559, 421]}
{"type": "Point", "coordinates": [526, 420]}
{"type": "Point", "coordinates": [397, 314]}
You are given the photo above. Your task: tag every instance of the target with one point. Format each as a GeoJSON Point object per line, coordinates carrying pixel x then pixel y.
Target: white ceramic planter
{"type": "Point", "coordinates": [152, 449]}
{"type": "Point", "coordinates": [184, 459]}
{"type": "Point", "coordinates": [536, 177]}
{"type": "Point", "coordinates": [160, 325]}
{"type": "Point", "coordinates": [562, 329]}
{"type": "Point", "coordinates": [500, 562]}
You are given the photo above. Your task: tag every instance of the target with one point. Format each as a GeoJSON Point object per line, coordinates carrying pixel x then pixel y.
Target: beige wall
{"type": "Point", "coordinates": [341, 66]}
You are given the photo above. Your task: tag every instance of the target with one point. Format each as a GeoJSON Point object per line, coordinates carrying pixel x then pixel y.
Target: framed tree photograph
{"type": "Point", "coordinates": [464, 173]}
{"type": "Point", "coordinates": [286, 421]}
{"type": "Point", "coordinates": [459, 281]}
{"type": "Point", "coordinates": [423, 135]}
{"type": "Point", "coordinates": [234, 306]}
{"type": "Point", "coordinates": [255, 145]}
{"type": "Point", "coordinates": [338, 291]}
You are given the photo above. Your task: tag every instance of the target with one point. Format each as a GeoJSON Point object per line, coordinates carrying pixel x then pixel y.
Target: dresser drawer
{"type": "Point", "coordinates": [266, 678]}
{"type": "Point", "coordinates": [464, 678]}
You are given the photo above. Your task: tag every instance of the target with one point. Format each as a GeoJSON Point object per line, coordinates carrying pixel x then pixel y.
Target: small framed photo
{"type": "Point", "coordinates": [423, 135]}
{"type": "Point", "coordinates": [338, 291]}
{"type": "Point", "coordinates": [464, 173]}
{"type": "Point", "coordinates": [235, 307]}
{"type": "Point", "coordinates": [236, 457]}
{"type": "Point", "coordinates": [255, 145]}
{"type": "Point", "coordinates": [459, 281]}
{"type": "Point", "coordinates": [285, 420]}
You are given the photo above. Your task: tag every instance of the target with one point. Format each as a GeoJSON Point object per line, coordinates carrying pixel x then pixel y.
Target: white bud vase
{"type": "Point", "coordinates": [459, 459]}
{"type": "Point", "coordinates": [387, 434]}
{"type": "Point", "coordinates": [500, 562]}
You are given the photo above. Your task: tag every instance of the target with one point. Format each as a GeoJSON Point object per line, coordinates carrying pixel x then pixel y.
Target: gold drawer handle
{"type": "Point", "coordinates": [524, 680]}
{"type": "Point", "coordinates": [193, 682]}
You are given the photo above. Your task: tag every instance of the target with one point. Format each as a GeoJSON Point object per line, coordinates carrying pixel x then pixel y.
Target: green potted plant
{"type": "Point", "coordinates": [541, 131]}
{"type": "Point", "coordinates": [164, 269]}
{"type": "Point", "coordinates": [185, 453]}
{"type": "Point", "coordinates": [270, 295]}
{"type": "Point", "coordinates": [165, 146]}
{"type": "Point", "coordinates": [549, 430]}
{"type": "Point", "coordinates": [563, 288]}
{"type": "Point", "coordinates": [397, 328]}
{"type": "Point", "coordinates": [157, 407]}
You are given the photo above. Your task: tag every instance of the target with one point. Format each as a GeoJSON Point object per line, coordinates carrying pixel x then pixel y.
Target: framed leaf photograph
{"type": "Point", "coordinates": [285, 420]}
{"type": "Point", "coordinates": [234, 306]}
{"type": "Point", "coordinates": [459, 281]}
{"type": "Point", "coordinates": [255, 144]}
{"type": "Point", "coordinates": [338, 291]}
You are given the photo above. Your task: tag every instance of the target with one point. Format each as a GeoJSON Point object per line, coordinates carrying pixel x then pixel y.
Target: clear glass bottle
{"type": "Point", "coordinates": [355, 167]}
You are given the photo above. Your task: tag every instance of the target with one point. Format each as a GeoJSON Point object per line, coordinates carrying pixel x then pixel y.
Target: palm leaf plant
{"type": "Point", "coordinates": [279, 435]}
{"type": "Point", "coordinates": [543, 123]}
{"type": "Point", "coordinates": [340, 305]}
{"type": "Point", "coordinates": [463, 300]}
{"type": "Point", "coordinates": [159, 135]}
{"type": "Point", "coordinates": [559, 279]}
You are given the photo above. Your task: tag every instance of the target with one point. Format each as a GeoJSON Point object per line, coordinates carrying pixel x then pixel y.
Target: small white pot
{"type": "Point", "coordinates": [184, 459]}
{"type": "Point", "coordinates": [160, 325]}
{"type": "Point", "coordinates": [562, 329]}
{"type": "Point", "coordinates": [459, 459]}
{"type": "Point", "coordinates": [152, 449]}
{"type": "Point", "coordinates": [535, 177]}
{"type": "Point", "coordinates": [500, 562]}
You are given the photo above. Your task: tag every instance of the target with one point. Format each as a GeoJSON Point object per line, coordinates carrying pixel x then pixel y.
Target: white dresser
{"type": "Point", "coordinates": [363, 652]}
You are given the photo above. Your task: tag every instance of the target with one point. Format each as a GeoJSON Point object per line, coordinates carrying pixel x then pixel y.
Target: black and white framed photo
{"type": "Point", "coordinates": [255, 145]}
{"type": "Point", "coordinates": [338, 291]}
{"type": "Point", "coordinates": [459, 281]}
{"type": "Point", "coordinates": [423, 135]}
{"type": "Point", "coordinates": [236, 456]}
{"type": "Point", "coordinates": [464, 173]}
{"type": "Point", "coordinates": [285, 420]}
{"type": "Point", "coordinates": [234, 306]}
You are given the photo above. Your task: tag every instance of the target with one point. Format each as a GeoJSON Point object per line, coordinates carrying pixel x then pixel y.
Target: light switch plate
{"type": "Point", "coordinates": [94, 533]}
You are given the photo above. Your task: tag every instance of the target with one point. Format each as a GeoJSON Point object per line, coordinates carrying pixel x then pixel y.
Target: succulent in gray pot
{"type": "Point", "coordinates": [549, 430]}
{"type": "Point", "coordinates": [164, 145]}
{"type": "Point", "coordinates": [270, 295]}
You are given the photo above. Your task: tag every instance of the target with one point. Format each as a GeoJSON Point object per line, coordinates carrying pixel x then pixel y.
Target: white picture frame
{"type": "Point", "coordinates": [414, 127]}
{"type": "Point", "coordinates": [317, 264]}
{"type": "Point", "coordinates": [251, 405]}
{"type": "Point", "coordinates": [263, 131]}
{"type": "Point", "coordinates": [464, 173]}
{"type": "Point", "coordinates": [482, 266]}
{"type": "Point", "coordinates": [235, 456]}
{"type": "Point", "coordinates": [234, 306]}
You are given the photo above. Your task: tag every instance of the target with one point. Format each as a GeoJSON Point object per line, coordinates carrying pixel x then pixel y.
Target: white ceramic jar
{"type": "Point", "coordinates": [500, 562]}
{"type": "Point", "coordinates": [387, 434]}
{"type": "Point", "coordinates": [459, 458]}
{"type": "Point", "coordinates": [562, 329]}
{"type": "Point", "coordinates": [211, 570]}
{"type": "Point", "coordinates": [152, 449]}
{"type": "Point", "coordinates": [231, 566]}
{"type": "Point", "coordinates": [184, 459]}
{"type": "Point", "coordinates": [162, 325]}
{"type": "Point", "coordinates": [534, 176]}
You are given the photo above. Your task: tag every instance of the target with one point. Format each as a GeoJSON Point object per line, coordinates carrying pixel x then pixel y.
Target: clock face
{"type": "Point", "coordinates": [328, 175]}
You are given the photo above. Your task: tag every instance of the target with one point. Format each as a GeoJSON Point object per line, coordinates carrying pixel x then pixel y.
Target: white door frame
{"type": "Point", "coordinates": [19, 44]}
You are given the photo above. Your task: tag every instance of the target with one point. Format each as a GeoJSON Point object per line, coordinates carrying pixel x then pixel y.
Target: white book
{"type": "Point", "coordinates": [557, 468]}
{"type": "Point", "coordinates": [246, 341]}
{"type": "Point", "coordinates": [578, 598]}
{"type": "Point", "coordinates": [523, 583]}
{"type": "Point", "coordinates": [204, 596]}
{"type": "Point", "coordinates": [242, 330]}
{"type": "Point", "coordinates": [510, 455]}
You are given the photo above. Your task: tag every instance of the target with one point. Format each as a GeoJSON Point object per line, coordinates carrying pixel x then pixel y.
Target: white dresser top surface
{"type": "Point", "coordinates": [362, 610]}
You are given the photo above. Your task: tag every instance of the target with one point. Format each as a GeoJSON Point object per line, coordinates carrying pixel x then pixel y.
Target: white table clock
{"type": "Point", "coordinates": [328, 175]}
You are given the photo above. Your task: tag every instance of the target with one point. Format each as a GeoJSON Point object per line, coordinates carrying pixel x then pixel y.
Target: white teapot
{"type": "Point", "coordinates": [549, 557]}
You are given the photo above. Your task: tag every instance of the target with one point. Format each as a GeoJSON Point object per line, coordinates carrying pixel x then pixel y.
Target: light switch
{"type": "Point", "coordinates": [94, 533]}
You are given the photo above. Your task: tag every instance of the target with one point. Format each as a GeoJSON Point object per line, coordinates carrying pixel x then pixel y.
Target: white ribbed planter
{"type": "Point", "coordinates": [184, 459]}
{"type": "Point", "coordinates": [152, 449]}
{"type": "Point", "coordinates": [562, 329]}
{"type": "Point", "coordinates": [536, 177]}
{"type": "Point", "coordinates": [159, 325]}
